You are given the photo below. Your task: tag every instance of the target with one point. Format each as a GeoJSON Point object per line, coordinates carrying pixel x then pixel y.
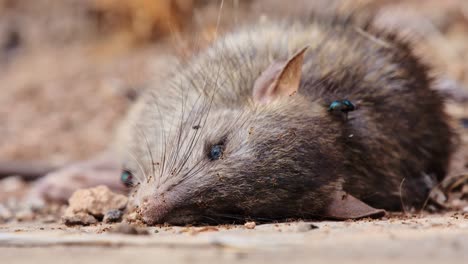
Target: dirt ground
{"type": "Point", "coordinates": [68, 73]}
{"type": "Point", "coordinates": [429, 239]}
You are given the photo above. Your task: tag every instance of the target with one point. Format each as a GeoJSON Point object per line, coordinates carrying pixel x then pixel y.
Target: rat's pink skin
{"type": "Point", "coordinates": [153, 210]}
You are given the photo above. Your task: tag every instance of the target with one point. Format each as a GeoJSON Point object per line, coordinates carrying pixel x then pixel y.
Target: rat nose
{"type": "Point", "coordinates": [153, 210]}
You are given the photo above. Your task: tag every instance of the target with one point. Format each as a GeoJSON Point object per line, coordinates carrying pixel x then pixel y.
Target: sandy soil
{"type": "Point", "coordinates": [429, 239]}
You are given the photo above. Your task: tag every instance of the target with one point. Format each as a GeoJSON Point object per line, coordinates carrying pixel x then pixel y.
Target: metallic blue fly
{"type": "Point", "coordinates": [343, 106]}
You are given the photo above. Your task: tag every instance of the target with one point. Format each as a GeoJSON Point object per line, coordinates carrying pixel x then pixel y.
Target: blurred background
{"type": "Point", "coordinates": [69, 69]}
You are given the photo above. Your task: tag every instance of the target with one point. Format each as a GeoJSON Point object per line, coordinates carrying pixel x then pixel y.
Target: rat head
{"type": "Point", "coordinates": [262, 160]}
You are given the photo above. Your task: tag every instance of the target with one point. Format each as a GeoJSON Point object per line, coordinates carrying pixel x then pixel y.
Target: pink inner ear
{"type": "Point", "coordinates": [281, 78]}
{"type": "Point", "coordinates": [265, 85]}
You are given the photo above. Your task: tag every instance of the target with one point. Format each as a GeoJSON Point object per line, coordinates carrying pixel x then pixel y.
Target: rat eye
{"type": "Point", "coordinates": [126, 177]}
{"type": "Point", "coordinates": [216, 152]}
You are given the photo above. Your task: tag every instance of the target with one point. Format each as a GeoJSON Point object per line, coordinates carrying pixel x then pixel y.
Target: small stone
{"type": "Point", "coordinates": [304, 227]}
{"type": "Point", "coordinates": [132, 217]}
{"type": "Point", "coordinates": [113, 216]}
{"type": "Point", "coordinates": [95, 201]}
{"type": "Point", "coordinates": [79, 219]}
{"type": "Point", "coordinates": [128, 229]}
{"type": "Point", "coordinates": [250, 225]}
{"type": "Point", "coordinates": [88, 205]}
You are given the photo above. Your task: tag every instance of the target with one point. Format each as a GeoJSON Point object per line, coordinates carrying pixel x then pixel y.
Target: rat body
{"type": "Point", "coordinates": [243, 130]}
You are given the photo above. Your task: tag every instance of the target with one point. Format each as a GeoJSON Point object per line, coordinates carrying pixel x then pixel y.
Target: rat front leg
{"type": "Point", "coordinates": [59, 185]}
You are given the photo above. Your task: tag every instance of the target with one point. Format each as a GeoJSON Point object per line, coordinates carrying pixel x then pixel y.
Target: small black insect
{"type": "Point", "coordinates": [343, 106]}
{"type": "Point", "coordinates": [196, 127]}
{"type": "Point", "coordinates": [126, 177]}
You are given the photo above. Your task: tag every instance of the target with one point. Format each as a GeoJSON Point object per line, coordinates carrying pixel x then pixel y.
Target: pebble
{"type": "Point", "coordinates": [113, 216]}
{"type": "Point", "coordinates": [79, 219]}
{"type": "Point", "coordinates": [95, 201]}
{"type": "Point", "coordinates": [88, 205]}
{"type": "Point", "coordinates": [250, 225]}
{"type": "Point", "coordinates": [132, 217]}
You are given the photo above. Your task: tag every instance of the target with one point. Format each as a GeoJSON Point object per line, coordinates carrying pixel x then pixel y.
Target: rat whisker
{"type": "Point", "coordinates": [218, 20]}
{"type": "Point", "coordinates": [197, 135]}
{"type": "Point", "coordinates": [401, 196]}
{"type": "Point", "coordinates": [145, 178]}
{"type": "Point", "coordinates": [180, 131]}
{"type": "Point", "coordinates": [160, 121]}
{"type": "Point", "coordinates": [148, 149]}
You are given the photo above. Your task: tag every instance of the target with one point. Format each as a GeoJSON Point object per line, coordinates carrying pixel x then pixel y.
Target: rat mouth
{"type": "Point", "coordinates": [154, 212]}
{"type": "Point", "coordinates": [182, 217]}
{"type": "Point", "coordinates": [158, 210]}
{"type": "Point", "coordinates": [161, 209]}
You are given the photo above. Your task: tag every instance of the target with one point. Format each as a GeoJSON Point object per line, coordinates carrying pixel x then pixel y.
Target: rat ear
{"type": "Point", "coordinates": [345, 206]}
{"type": "Point", "coordinates": [281, 78]}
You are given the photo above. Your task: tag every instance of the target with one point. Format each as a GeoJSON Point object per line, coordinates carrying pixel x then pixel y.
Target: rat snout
{"type": "Point", "coordinates": [159, 210]}
{"type": "Point", "coordinates": [153, 210]}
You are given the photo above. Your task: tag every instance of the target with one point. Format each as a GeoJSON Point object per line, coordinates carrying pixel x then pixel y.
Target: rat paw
{"type": "Point", "coordinates": [60, 184]}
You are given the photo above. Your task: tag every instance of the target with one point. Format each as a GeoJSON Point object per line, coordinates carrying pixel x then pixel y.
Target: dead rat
{"type": "Point", "coordinates": [245, 128]}
{"type": "Point", "coordinates": [324, 118]}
